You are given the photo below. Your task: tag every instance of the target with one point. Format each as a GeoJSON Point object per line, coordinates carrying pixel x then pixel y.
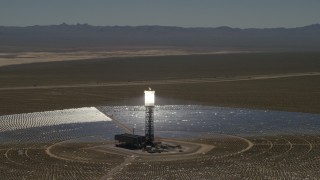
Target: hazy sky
{"type": "Point", "coordinates": [186, 13]}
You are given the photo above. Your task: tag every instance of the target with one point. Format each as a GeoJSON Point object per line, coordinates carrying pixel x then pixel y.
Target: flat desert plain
{"type": "Point", "coordinates": [277, 81]}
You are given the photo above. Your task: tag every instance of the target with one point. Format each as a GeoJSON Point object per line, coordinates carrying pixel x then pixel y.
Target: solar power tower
{"type": "Point", "coordinates": [149, 104]}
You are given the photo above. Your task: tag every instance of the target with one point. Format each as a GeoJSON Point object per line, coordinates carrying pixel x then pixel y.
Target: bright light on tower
{"type": "Point", "coordinates": [149, 97]}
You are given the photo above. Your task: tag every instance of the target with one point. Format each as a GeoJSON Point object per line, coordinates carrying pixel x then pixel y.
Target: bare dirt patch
{"type": "Point", "coordinates": [35, 57]}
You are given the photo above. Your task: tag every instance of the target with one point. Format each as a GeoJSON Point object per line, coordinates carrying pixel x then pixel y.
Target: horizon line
{"type": "Point", "coordinates": [135, 26]}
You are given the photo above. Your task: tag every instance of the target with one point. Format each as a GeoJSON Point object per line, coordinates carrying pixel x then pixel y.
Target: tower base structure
{"type": "Point", "coordinates": [149, 128]}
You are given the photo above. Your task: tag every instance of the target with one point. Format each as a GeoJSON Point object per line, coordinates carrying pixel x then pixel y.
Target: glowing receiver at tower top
{"type": "Point", "coordinates": [149, 97]}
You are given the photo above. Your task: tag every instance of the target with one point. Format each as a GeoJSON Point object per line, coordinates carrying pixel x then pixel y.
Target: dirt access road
{"type": "Point", "coordinates": [169, 81]}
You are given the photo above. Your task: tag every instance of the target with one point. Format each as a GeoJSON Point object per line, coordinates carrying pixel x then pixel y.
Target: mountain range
{"type": "Point", "coordinates": [84, 36]}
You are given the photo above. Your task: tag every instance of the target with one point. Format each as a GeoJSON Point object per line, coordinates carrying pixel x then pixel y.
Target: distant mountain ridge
{"type": "Point", "coordinates": [82, 36]}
